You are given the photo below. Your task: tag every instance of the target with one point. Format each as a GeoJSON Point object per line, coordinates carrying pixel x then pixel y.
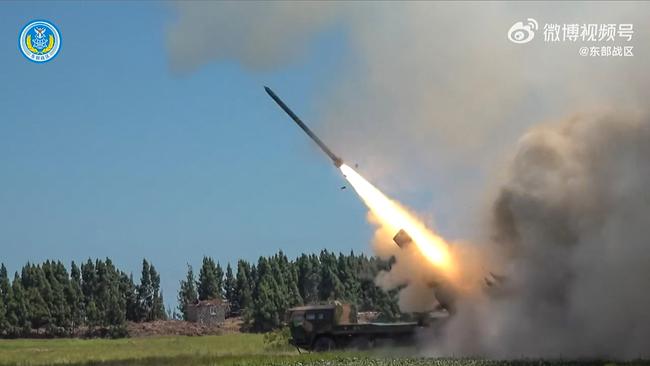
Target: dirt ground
{"type": "Point", "coordinates": [180, 327]}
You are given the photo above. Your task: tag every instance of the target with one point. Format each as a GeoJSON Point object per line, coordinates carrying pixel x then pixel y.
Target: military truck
{"type": "Point", "coordinates": [330, 326]}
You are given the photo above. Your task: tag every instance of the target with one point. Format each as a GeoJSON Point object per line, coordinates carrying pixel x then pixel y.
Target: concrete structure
{"type": "Point", "coordinates": [208, 312]}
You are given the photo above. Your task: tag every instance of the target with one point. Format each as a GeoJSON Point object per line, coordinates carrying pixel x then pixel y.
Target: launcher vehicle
{"type": "Point", "coordinates": [326, 327]}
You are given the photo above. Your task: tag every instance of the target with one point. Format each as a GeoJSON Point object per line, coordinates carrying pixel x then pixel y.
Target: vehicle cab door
{"type": "Point", "coordinates": [319, 320]}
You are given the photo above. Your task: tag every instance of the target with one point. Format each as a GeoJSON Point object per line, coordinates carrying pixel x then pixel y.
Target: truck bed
{"type": "Point", "coordinates": [375, 328]}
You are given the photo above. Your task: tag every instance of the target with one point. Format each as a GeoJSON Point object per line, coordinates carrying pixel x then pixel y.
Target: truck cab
{"type": "Point", "coordinates": [308, 322]}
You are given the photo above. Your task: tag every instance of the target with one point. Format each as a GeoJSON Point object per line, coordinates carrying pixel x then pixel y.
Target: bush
{"type": "Point", "coordinates": [277, 339]}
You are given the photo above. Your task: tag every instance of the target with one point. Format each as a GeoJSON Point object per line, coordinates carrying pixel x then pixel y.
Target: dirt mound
{"type": "Point", "coordinates": [180, 327]}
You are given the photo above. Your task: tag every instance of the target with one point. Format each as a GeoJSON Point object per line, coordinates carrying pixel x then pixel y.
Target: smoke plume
{"type": "Point", "coordinates": [432, 98]}
{"type": "Point", "coordinates": [571, 228]}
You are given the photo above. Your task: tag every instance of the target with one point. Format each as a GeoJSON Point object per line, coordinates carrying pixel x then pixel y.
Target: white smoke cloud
{"type": "Point", "coordinates": [434, 95]}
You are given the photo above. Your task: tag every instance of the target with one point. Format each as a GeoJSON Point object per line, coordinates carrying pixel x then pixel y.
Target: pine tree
{"type": "Point", "coordinates": [292, 285]}
{"type": "Point", "coordinates": [130, 293]}
{"type": "Point", "coordinates": [157, 304]}
{"type": "Point", "coordinates": [331, 287]}
{"type": "Point", "coordinates": [93, 317]}
{"type": "Point", "coordinates": [279, 286]}
{"type": "Point", "coordinates": [101, 294]}
{"type": "Point", "coordinates": [115, 314]}
{"type": "Point", "coordinates": [4, 325]}
{"type": "Point", "coordinates": [88, 280]}
{"type": "Point", "coordinates": [187, 293]}
{"type": "Point", "coordinates": [113, 305]}
{"type": "Point", "coordinates": [4, 300]}
{"type": "Point", "coordinates": [220, 287]}
{"type": "Point", "coordinates": [38, 295]}
{"type": "Point", "coordinates": [74, 297]}
{"type": "Point", "coordinates": [244, 294]}
{"type": "Point", "coordinates": [265, 302]}
{"type": "Point", "coordinates": [57, 279]}
{"type": "Point", "coordinates": [311, 270]}
{"type": "Point", "coordinates": [348, 275]}
{"type": "Point", "coordinates": [209, 285]}
{"type": "Point", "coordinates": [145, 292]}
{"type": "Point", "coordinates": [18, 308]}
{"type": "Point", "coordinates": [230, 288]}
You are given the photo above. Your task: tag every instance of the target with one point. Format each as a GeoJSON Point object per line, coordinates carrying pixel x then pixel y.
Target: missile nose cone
{"type": "Point", "coordinates": [270, 92]}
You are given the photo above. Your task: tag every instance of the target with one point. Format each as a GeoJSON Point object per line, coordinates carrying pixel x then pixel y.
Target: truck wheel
{"type": "Point", "coordinates": [324, 344]}
{"type": "Point", "coordinates": [360, 344]}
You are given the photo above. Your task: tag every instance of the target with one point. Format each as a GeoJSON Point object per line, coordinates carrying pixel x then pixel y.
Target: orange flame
{"type": "Point", "coordinates": [394, 217]}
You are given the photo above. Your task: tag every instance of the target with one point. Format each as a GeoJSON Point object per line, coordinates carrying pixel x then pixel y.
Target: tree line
{"type": "Point", "coordinates": [47, 300]}
{"type": "Point", "coordinates": [97, 299]}
{"type": "Point", "coordinates": [262, 292]}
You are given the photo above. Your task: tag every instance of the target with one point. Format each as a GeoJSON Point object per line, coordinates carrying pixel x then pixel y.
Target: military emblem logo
{"type": "Point", "coordinates": [40, 41]}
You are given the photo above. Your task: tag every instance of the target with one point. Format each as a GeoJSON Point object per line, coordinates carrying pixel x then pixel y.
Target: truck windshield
{"type": "Point", "coordinates": [297, 317]}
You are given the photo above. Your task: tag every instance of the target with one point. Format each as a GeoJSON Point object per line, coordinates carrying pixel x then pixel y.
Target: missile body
{"type": "Point", "coordinates": [335, 159]}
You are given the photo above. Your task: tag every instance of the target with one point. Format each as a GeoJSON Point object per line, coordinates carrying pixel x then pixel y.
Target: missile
{"type": "Point", "coordinates": [335, 159]}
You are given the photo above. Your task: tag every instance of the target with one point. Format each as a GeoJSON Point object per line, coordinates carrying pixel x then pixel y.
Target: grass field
{"type": "Point", "coordinates": [232, 349]}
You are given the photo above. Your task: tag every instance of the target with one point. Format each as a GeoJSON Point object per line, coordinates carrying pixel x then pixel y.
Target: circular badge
{"type": "Point", "coordinates": [40, 41]}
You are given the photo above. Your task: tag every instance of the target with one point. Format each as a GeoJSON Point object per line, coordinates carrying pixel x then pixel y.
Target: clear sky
{"type": "Point", "coordinates": [150, 134]}
{"type": "Point", "coordinates": [105, 152]}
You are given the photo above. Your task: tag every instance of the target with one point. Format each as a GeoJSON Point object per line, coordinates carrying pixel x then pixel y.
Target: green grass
{"type": "Point", "coordinates": [232, 349]}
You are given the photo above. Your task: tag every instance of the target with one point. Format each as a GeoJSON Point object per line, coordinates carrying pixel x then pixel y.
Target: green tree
{"type": "Point", "coordinates": [130, 293]}
{"type": "Point", "coordinates": [265, 299]}
{"type": "Point", "coordinates": [113, 304]}
{"type": "Point", "coordinates": [349, 277]}
{"type": "Point", "coordinates": [209, 284]}
{"type": "Point", "coordinates": [74, 297]}
{"type": "Point", "coordinates": [145, 292]}
{"type": "Point", "coordinates": [18, 309]}
{"type": "Point", "coordinates": [93, 317]}
{"type": "Point", "coordinates": [5, 293]}
{"type": "Point", "coordinates": [308, 277]}
{"type": "Point", "coordinates": [243, 289]}
{"type": "Point", "coordinates": [187, 293]}
{"type": "Point", "coordinates": [331, 287]}
{"type": "Point", "coordinates": [289, 273]}
{"type": "Point", "coordinates": [38, 295]}
{"type": "Point", "coordinates": [88, 280]}
{"type": "Point", "coordinates": [219, 274]}
{"type": "Point", "coordinates": [157, 303]}
{"type": "Point", "coordinates": [102, 290]}
{"type": "Point", "coordinates": [4, 325]}
{"type": "Point", "coordinates": [57, 280]}
{"type": "Point", "coordinates": [230, 287]}
{"type": "Point", "coordinates": [115, 307]}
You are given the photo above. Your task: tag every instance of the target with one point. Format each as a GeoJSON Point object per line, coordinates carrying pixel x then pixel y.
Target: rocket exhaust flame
{"type": "Point", "coordinates": [398, 220]}
{"type": "Point", "coordinates": [406, 228]}
{"type": "Point", "coordinates": [391, 215]}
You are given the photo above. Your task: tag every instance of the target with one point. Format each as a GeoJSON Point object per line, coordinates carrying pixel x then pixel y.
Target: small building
{"type": "Point", "coordinates": [208, 312]}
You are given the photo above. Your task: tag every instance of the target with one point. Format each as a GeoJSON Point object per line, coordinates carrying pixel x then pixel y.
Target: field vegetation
{"type": "Point", "coordinates": [232, 349]}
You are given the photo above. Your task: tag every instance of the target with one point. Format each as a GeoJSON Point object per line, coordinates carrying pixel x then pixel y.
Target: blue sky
{"type": "Point", "coordinates": [105, 152]}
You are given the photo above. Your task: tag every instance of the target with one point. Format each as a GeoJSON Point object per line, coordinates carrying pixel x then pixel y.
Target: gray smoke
{"type": "Point", "coordinates": [572, 231]}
